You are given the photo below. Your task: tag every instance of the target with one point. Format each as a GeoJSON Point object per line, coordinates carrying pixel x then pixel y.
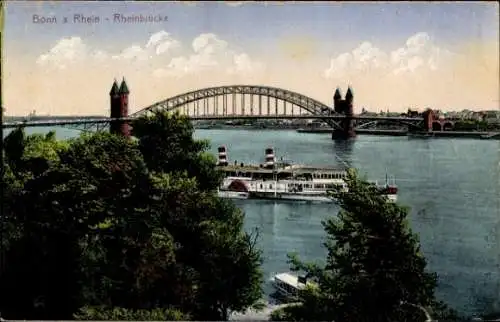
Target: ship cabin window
{"type": "Point", "coordinates": [319, 186]}
{"type": "Point", "coordinates": [326, 175]}
{"type": "Point", "coordinates": [270, 186]}
{"type": "Point", "coordinates": [261, 185]}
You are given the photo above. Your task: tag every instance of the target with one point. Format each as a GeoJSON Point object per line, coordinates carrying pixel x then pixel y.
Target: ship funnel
{"type": "Point", "coordinates": [222, 156]}
{"type": "Point", "coordinates": [270, 158]}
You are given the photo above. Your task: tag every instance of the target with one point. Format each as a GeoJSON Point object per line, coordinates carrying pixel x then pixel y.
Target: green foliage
{"type": "Point", "coordinates": [13, 146]}
{"type": "Point", "coordinates": [10, 187]}
{"type": "Point", "coordinates": [167, 144]}
{"type": "Point", "coordinates": [472, 125]}
{"type": "Point", "coordinates": [292, 312]}
{"type": "Point", "coordinates": [31, 155]}
{"type": "Point", "coordinates": [113, 228]}
{"type": "Point", "coordinates": [374, 268]}
{"type": "Point", "coordinates": [122, 314]}
{"type": "Point", "coordinates": [43, 146]}
{"type": "Point", "coordinates": [52, 212]}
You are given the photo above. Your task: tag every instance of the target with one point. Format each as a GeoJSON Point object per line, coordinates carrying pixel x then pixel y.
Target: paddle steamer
{"type": "Point", "coordinates": [283, 180]}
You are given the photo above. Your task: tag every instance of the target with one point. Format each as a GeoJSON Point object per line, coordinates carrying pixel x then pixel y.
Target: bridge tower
{"type": "Point", "coordinates": [428, 116]}
{"type": "Point", "coordinates": [337, 101]}
{"type": "Point", "coordinates": [119, 108]}
{"type": "Point", "coordinates": [344, 107]}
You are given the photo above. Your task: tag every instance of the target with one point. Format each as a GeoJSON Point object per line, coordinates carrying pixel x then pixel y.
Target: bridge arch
{"type": "Point", "coordinates": [442, 125]}
{"type": "Point", "coordinates": [447, 126]}
{"type": "Point", "coordinates": [437, 126]}
{"type": "Point", "coordinates": [302, 101]}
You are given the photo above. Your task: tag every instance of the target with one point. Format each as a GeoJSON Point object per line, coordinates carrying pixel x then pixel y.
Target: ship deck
{"type": "Point", "coordinates": [291, 168]}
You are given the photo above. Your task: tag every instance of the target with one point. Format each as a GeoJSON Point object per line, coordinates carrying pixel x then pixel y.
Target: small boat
{"type": "Point", "coordinates": [288, 285]}
{"type": "Point", "coordinates": [489, 136]}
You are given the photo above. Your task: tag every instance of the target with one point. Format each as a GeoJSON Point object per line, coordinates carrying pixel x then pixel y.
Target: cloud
{"type": "Point", "coordinates": [66, 51]}
{"type": "Point", "coordinates": [159, 43]}
{"type": "Point", "coordinates": [73, 50]}
{"type": "Point", "coordinates": [243, 64]}
{"type": "Point", "coordinates": [209, 52]}
{"type": "Point", "coordinates": [99, 55]}
{"type": "Point", "coordinates": [362, 59]}
{"type": "Point", "coordinates": [162, 42]}
{"type": "Point", "coordinates": [134, 52]}
{"type": "Point", "coordinates": [418, 53]}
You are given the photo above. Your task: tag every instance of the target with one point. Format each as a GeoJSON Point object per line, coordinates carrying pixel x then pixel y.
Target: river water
{"type": "Point", "coordinates": [451, 185]}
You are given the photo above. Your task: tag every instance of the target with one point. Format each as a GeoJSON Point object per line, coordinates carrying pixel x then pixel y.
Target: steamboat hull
{"type": "Point", "coordinates": [233, 194]}
{"type": "Point", "coordinates": [291, 197]}
{"type": "Point", "coordinates": [313, 198]}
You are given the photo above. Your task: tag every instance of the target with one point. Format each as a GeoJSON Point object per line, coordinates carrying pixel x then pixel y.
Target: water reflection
{"type": "Point", "coordinates": [343, 149]}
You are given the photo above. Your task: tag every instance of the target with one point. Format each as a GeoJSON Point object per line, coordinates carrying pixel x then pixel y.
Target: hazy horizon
{"type": "Point", "coordinates": [394, 55]}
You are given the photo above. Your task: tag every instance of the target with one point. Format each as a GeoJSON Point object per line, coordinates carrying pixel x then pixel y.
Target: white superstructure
{"type": "Point", "coordinates": [288, 285]}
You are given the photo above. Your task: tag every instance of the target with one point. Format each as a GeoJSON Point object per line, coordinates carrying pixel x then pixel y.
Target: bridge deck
{"type": "Point", "coordinates": [59, 122]}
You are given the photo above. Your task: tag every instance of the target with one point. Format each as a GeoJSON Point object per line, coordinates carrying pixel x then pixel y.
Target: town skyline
{"type": "Point", "coordinates": [394, 56]}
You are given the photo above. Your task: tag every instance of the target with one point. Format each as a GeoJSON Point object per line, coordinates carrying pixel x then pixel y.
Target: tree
{"type": "Point", "coordinates": [374, 268]}
{"type": "Point", "coordinates": [53, 211]}
{"type": "Point", "coordinates": [13, 146]}
{"type": "Point", "coordinates": [219, 259]}
{"type": "Point", "coordinates": [31, 155]}
{"type": "Point", "coordinates": [102, 228]}
{"type": "Point", "coordinates": [167, 145]}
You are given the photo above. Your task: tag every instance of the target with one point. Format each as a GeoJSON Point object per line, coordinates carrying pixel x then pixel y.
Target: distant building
{"type": "Point", "coordinates": [491, 117]}
{"type": "Point", "coordinates": [412, 113]}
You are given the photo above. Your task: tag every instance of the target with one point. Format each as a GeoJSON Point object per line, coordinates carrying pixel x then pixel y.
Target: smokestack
{"type": "Point", "coordinates": [222, 156]}
{"type": "Point", "coordinates": [270, 158]}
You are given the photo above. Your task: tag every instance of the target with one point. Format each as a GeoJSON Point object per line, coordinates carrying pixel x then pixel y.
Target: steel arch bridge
{"type": "Point", "coordinates": [234, 102]}
{"type": "Point", "coordinates": [242, 106]}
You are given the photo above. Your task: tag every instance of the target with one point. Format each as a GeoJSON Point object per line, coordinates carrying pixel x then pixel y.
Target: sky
{"type": "Point", "coordinates": [395, 56]}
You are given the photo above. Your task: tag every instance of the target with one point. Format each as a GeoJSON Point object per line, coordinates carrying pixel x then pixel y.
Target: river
{"type": "Point", "coordinates": [451, 185]}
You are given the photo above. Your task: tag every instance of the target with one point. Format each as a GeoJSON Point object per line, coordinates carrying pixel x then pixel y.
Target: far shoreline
{"type": "Point", "coordinates": [482, 135]}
